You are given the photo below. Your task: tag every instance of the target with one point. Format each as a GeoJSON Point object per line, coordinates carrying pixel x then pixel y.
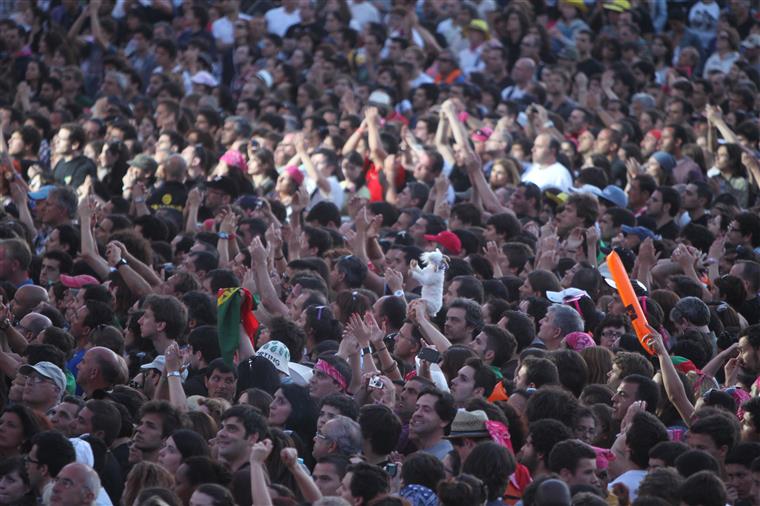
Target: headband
{"type": "Point", "coordinates": [332, 372]}
{"type": "Point", "coordinates": [500, 434]}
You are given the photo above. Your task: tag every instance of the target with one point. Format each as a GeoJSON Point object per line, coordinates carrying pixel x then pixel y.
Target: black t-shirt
{"type": "Point", "coordinates": [74, 172]}
{"type": "Point", "coordinates": [669, 230]}
{"type": "Point", "coordinates": [751, 310]}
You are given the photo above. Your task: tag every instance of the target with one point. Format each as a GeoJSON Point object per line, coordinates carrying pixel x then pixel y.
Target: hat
{"type": "Point", "coordinates": [603, 457]}
{"type": "Point", "coordinates": [568, 53]}
{"type": "Point", "coordinates": [615, 196]}
{"type": "Point", "coordinates": [617, 5]}
{"type": "Point", "coordinates": [158, 363]}
{"type": "Point", "coordinates": [204, 78]}
{"type": "Point", "coordinates": [248, 202]}
{"type": "Point", "coordinates": [642, 232]}
{"type": "Point", "coordinates": [578, 341]}
{"type": "Point", "coordinates": [47, 369]}
{"type": "Point", "coordinates": [479, 25]}
{"type": "Point", "coordinates": [379, 98]}
{"type": "Point", "coordinates": [233, 158]}
{"type": "Point", "coordinates": [752, 42]}
{"type": "Point", "coordinates": [224, 184]}
{"type": "Point", "coordinates": [78, 281]}
{"type": "Point", "coordinates": [469, 424]}
{"type": "Point", "coordinates": [481, 134]}
{"type": "Point", "coordinates": [587, 188]}
{"type": "Point", "coordinates": [295, 174]}
{"type": "Point", "coordinates": [657, 134]}
{"type": "Point", "coordinates": [143, 162]}
{"type": "Point", "coordinates": [566, 295]}
{"type": "Point", "coordinates": [666, 160]}
{"type": "Point", "coordinates": [278, 354]}
{"type": "Point", "coordinates": [578, 4]}
{"type": "Point", "coordinates": [449, 240]}
{"type": "Point", "coordinates": [265, 77]}
{"type": "Point", "coordinates": [42, 193]}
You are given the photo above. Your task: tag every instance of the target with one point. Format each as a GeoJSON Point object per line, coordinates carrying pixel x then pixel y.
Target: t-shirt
{"type": "Point", "coordinates": [74, 172]}
{"type": "Point", "coordinates": [279, 20]}
{"type": "Point", "coordinates": [555, 175]}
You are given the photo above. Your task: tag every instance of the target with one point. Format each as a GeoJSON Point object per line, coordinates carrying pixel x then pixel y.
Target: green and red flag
{"type": "Point", "coordinates": [235, 308]}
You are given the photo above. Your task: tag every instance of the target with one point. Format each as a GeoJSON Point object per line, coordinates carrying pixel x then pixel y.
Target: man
{"type": "Point", "coordinates": [546, 171]}
{"type": "Point", "coordinates": [467, 430]}
{"type": "Point", "coordinates": [50, 452]}
{"type": "Point", "coordinates": [474, 380]}
{"type": "Point", "coordinates": [15, 259]}
{"type": "Point", "coordinates": [580, 210]}
{"type": "Point", "coordinates": [691, 313]}
{"type": "Point", "coordinates": [639, 192]}
{"type": "Point", "coordinates": [157, 421]}
{"type": "Point", "coordinates": [634, 387]}
{"type": "Point", "coordinates": [362, 483]}
{"type": "Point", "coordinates": [99, 369]}
{"type": "Point", "coordinates": [26, 299]}
{"type": "Point", "coordinates": [674, 137]}
{"type": "Point", "coordinates": [241, 428]}
{"type": "Point", "coordinates": [542, 437]}
{"type": "Point", "coordinates": [559, 321]}
{"type": "Point", "coordinates": [221, 380]}
{"type": "Point", "coordinates": [98, 418]}
{"type": "Point", "coordinates": [625, 364]}
{"type": "Point", "coordinates": [611, 223]}
{"type": "Point", "coordinates": [332, 375]}
{"type": "Point", "coordinates": [140, 169]}
{"type": "Point", "coordinates": [495, 346]}
{"type": "Point", "coordinates": [525, 201]}
{"type": "Point", "coordinates": [235, 129]}
{"type": "Point", "coordinates": [64, 413]}
{"type": "Point", "coordinates": [348, 273]}
{"type": "Point", "coordinates": [739, 472]}
{"type": "Point", "coordinates": [535, 372]}
{"type": "Point", "coordinates": [744, 230]}
{"type": "Point", "coordinates": [715, 434]}
{"type": "Point", "coordinates": [86, 319]}
{"type": "Point", "coordinates": [339, 435]}
{"type": "Point", "coordinates": [45, 384]}
{"type": "Point", "coordinates": [329, 472]}
{"type": "Point", "coordinates": [575, 462]}
{"type": "Point", "coordinates": [467, 287]}
{"type": "Point", "coordinates": [54, 263]}
{"type": "Point", "coordinates": [463, 321]}
{"type": "Point", "coordinates": [163, 321]}
{"type": "Point", "coordinates": [557, 83]}
{"type": "Point", "coordinates": [73, 167]}
{"type": "Point", "coordinates": [696, 200]}
{"type": "Point", "coordinates": [171, 191]}
{"type": "Point", "coordinates": [203, 347]}
{"type": "Point", "coordinates": [76, 485]}
{"type": "Point", "coordinates": [631, 450]}
{"type": "Point", "coordinates": [522, 76]}
{"type": "Point", "coordinates": [663, 207]}
{"type": "Point", "coordinates": [434, 411]}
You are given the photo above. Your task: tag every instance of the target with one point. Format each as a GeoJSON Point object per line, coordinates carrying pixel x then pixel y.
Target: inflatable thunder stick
{"type": "Point", "coordinates": [629, 299]}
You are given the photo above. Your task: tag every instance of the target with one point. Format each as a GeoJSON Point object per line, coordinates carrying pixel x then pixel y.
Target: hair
{"type": "Point", "coordinates": [599, 362]}
{"type": "Point", "coordinates": [633, 363]}
{"type": "Point", "coordinates": [54, 450]}
{"type": "Point", "coordinates": [368, 481]}
{"type": "Point", "coordinates": [252, 421]}
{"type": "Point", "coordinates": [662, 483]}
{"type": "Point", "coordinates": [190, 443]}
{"type": "Point", "coordinates": [647, 390]}
{"type": "Point", "coordinates": [381, 427]}
{"type": "Point", "coordinates": [171, 311]}
{"type": "Point", "coordinates": [645, 431]}
{"type": "Point", "coordinates": [422, 469]}
{"type": "Point", "coordinates": [546, 434]}
{"type": "Point", "coordinates": [473, 315]}
{"type": "Point", "coordinates": [586, 207]}
{"type": "Point", "coordinates": [493, 464]}
{"type": "Point", "coordinates": [105, 417]}
{"type": "Point", "coordinates": [502, 342]}
{"type": "Point", "coordinates": [668, 452]}
{"type": "Point", "coordinates": [703, 488]}
{"type": "Point", "coordinates": [723, 430]}
{"type": "Point", "coordinates": [145, 474]}
{"type": "Point", "coordinates": [566, 318]}
{"type": "Point", "coordinates": [693, 461]}
{"type": "Point", "coordinates": [170, 417]}
{"type": "Point", "coordinates": [568, 454]}
{"type": "Point", "coordinates": [204, 339]}
{"type": "Point", "coordinates": [220, 496]}
{"type": "Point", "coordinates": [543, 281]}
{"type": "Point", "coordinates": [343, 403]}
{"type": "Point", "coordinates": [470, 287]}
{"type": "Point", "coordinates": [444, 404]}
{"type": "Point", "coordinates": [461, 490]}
{"type": "Point", "coordinates": [204, 470]}
{"type": "Point", "coordinates": [540, 371]}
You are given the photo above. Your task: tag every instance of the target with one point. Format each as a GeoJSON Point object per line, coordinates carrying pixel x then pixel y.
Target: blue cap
{"type": "Point", "coordinates": [642, 232]}
{"type": "Point", "coordinates": [666, 160]}
{"type": "Point", "coordinates": [42, 193]}
{"type": "Point", "coordinates": [615, 195]}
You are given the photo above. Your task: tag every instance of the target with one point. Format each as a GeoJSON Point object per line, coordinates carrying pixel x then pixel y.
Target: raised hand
{"type": "Point", "coordinates": [289, 457]}
{"type": "Point", "coordinates": [394, 279]}
{"type": "Point", "coordinates": [260, 451]}
{"type": "Point", "coordinates": [113, 254]}
{"type": "Point", "coordinates": [258, 252]}
{"type": "Point", "coordinates": [173, 361]}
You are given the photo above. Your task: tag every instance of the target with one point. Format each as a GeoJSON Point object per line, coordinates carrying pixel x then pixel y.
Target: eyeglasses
{"type": "Point", "coordinates": [36, 380]}
{"type": "Point", "coordinates": [65, 482]}
{"type": "Point", "coordinates": [611, 333]}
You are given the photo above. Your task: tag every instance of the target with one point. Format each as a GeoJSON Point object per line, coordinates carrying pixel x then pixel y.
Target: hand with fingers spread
{"type": "Point", "coordinates": [356, 327]}
{"type": "Point", "coordinates": [376, 334]}
{"type": "Point", "coordinates": [647, 255]}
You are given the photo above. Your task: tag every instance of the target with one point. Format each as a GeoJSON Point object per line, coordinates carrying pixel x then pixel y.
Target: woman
{"type": "Point", "coordinates": [112, 166]}
{"type": "Point", "coordinates": [181, 445]}
{"type": "Point", "coordinates": [504, 172]}
{"type": "Point", "coordinates": [17, 426]}
{"type": "Point", "coordinates": [261, 169]}
{"type": "Point", "coordinates": [14, 483]}
{"type": "Point", "coordinates": [144, 475]}
{"type": "Point", "coordinates": [731, 177]}
{"type": "Point", "coordinates": [292, 409]}
{"type": "Point", "coordinates": [726, 52]}
{"type": "Point", "coordinates": [599, 362]}
{"type": "Point", "coordinates": [662, 53]}
{"type": "Point", "coordinates": [660, 166]}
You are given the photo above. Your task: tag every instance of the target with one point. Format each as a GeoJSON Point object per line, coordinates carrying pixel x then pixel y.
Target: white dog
{"type": "Point", "coordinates": [431, 278]}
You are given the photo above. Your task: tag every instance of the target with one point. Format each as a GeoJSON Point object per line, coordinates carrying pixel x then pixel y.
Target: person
{"type": "Point", "coordinates": [14, 483]}
{"type": "Point", "coordinates": [363, 482]}
{"type": "Point", "coordinates": [433, 412]}
{"type": "Point", "coordinates": [76, 485]}
{"type": "Point", "coordinates": [575, 462]}
{"type": "Point", "coordinates": [50, 452]}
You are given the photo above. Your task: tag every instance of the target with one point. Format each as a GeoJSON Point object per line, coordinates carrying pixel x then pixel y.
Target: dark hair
{"type": "Point", "coordinates": [170, 417]}
{"type": "Point", "coordinates": [105, 417]}
{"type": "Point", "coordinates": [668, 452]}
{"type": "Point", "coordinates": [368, 481]}
{"type": "Point", "coordinates": [204, 470]}
{"type": "Point", "coordinates": [170, 311]}
{"type": "Point", "coordinates": [204, 339]}
{"type": "Point", "coordinates": [645, 431]}
{"type": "Point", "coordinates": [723, 430]}
{"type": "Point", "coordinates": [422, 469]}
{"type": "Point", "coordinates": [493, 464]}
{"type": "Point", "coordinates": [547, 433]}
{"type": "Point", "coordinates": [291, 335]}
{"type": "Point", "coordinates": [693, 461]}
{"type": "Point", "coordinates": [540, 371]}
{"type": "Point", "coordinates": [303, 416]}
{"type": "Point", "coordinates": [54, 450]}
{"type": "Point", "coordinates": [190, 443]}
{"type": "Point", "coordinates": [252, 421]}
{"type": "Point", "coordinates": [552, 402]}
{"type": "Point", "coordinates": [343, 403]}
{"type": "Point", "coordinates": [461, 490]}
{"type": "Point", "coordinates": [220, 496]}
{"type": "Point", "coordinates": [647, 390]}
{"type": "Point", "coordinates": [380, 427]}
{"type": "Point", "coordinates": [568, 454]}
{"type": "Point", "coordinates": [444, 404]}
{"type": "Point", "coordinates": [703, 488]}
{"type": "Point", "coordinates": [572, 369]}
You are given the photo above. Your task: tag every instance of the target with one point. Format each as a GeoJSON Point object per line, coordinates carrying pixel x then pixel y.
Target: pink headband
{"type": "Point", "coordinates": [331, 371]}
{"type": "Point", "coordinates": [295, 174]}
{"type": "Point", "coordinates": [234, 159]}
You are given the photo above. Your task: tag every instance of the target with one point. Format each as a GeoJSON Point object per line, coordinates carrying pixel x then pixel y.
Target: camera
{"type": "Point", "coordinates": [376, 382]}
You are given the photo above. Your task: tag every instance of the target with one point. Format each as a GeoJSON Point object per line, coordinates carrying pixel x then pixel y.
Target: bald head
{"type": "Point", "coordinates": [100, 369]}
{"type": "Point", "coordinates": [76, 485]}
{"type": "Point", "coordinates": [175, 168]}
{"type": "Point", "coordinates": [27, 298]}
{"type": "Point", "coordinates": [34, 323]}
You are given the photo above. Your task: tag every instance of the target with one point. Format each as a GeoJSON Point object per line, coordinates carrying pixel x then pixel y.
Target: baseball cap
{"type": "Point", "coordinates": [566, 295]}
{"type": "Point", "coordinates": [224, 184]}
{"type": "Point", "coordinates": [615, 196]}
{"type": "Point", "coordinates": [158, 363]}
{"type": "Point", "coordinates": [666, 160]}
{"type": "Point", "coordinates": [277, 353]}
{"type": "Point", "coordinates": [265, 77]}
{"type": "Point", "coordinates": [42, 193]}
{"type": "Point", "coordinates": [752, 42]}
{"type": "Point", "coordinates": [48, 370]}
{"type": "Point", "coordinates": [617, 5]}
{"type": "Point", "coordinates": [295, 174]}
{"type": "Point", "coordinates": [448, 240]}
{"type": "Point", "coordinates": [479, 25]}
{"type": "Point", "coordinates": [204, 78]}
{"type": "Point", "coordinates": [587, 188]}
{"type": "Point", "coordinates": [233, 158]}
{"type": "Point", "coordinates": [144, 162]}
{"type": "Point", "coordinates": [78, 281]}
{"type": "Point", "coordinates": [642, 232]}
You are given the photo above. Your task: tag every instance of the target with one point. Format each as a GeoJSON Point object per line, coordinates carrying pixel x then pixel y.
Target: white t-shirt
{"type": "Point", "coordinates": [555, 175]}
{"type": "Point", "coordinates": [364, 13]}
{"type": "Point", "coordinates": [279, 20]}
{"type": "Point", "coordinates": [223, 29]}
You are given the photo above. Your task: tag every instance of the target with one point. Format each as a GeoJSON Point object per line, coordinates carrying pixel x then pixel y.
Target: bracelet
{"type": "Point", "coordinates": [139, 200]}
{"type": "Point", "coordinates": [173, 373]}
{"type": "Point", "coordinates": [5, 324]}
{"type": "Point", "coordinates": [366, 350]}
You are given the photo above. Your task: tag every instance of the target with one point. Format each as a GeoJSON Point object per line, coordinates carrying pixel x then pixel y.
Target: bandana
{"type": "Point", "coordinates": [326, 368]}
{"type": "Point", "coordinates": [500, 434]}
{"type": "Point", "coordinates": [578, 341]}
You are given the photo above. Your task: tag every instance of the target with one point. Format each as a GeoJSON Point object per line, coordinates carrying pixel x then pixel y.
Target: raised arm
{"type": "Point", "coordinates": [673, 386]}
{"type": "Point", "coordinates": [194, 198]}
{"type": "Point", "coordinates": [89, 249]}
{"type": "Point", "coordinates": [136, 283]}
{"type": "Point", "coordinates": [172, 368]}
{"type": "Point", "coordinates": [306, 485]}
{"type": "Point", "coordinates": [259, 264]}
{"type": "Point", "coordinates": [316, 175]}
{"type": "Point", "coordinates": [376, 152]}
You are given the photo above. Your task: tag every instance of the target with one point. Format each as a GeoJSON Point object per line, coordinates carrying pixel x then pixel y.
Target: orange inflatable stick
{"type": "Point", "coordinates": [629, 299]}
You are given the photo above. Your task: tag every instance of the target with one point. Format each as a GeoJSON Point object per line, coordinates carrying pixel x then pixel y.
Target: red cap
{"type": "Point", "coordinates": [655, 133]}
{"type": "Point", "coordinates": [448, 240]}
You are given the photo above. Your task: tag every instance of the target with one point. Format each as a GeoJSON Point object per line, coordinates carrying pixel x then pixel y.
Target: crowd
{"type": "Point", "coordinates": [214, 211]}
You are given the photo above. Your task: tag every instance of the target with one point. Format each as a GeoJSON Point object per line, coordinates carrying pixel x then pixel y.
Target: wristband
{"type": "Point", "coordinates": [225, 235]}
{"type": "Point", "coordinates": [367, 351]}
{"type": "Point", "coordinates": [173, 373]}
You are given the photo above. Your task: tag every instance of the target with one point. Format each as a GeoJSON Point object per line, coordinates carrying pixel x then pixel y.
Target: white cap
{"type": "Point", "coordinates": [277, 353]}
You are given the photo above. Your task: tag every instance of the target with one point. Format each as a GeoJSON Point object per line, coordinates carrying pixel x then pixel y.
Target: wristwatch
{"type": "Point", "coordinates": [398, 293]}
{"type": "Point", "coordinates": [5, 323]}
{"type": "Point", "coordinates": [122, 261]}
{"type": "Point", "coordinates": [173, 373]}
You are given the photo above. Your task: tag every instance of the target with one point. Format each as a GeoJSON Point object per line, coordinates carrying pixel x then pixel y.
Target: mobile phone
{"type": "Point", "coordinates": [391, 468]}
{"type": "Point", "coordinates": [376, 382]}
{"type": "Point", "coordinates": [430, 354]}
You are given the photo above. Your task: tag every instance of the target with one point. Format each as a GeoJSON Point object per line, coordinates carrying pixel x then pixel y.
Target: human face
{"type": "Point", "coordinates": [231, 440]}
{"type": "Point", "coordinates": [585, 429]}
{"type": "Point", "coordinates": [344, 490]}
{"type": "Point", "coordinates": [170, 457]}
{"type": "Point", "coordinates": [739, 478]}
{"type": "Point", "coordinates": [148, 324]}
{"type": "Point", "coordinates": [405, 344]}
{"type": "Point", "coordinates": [321, 385]}
{"type": "Point", "coordinates": [62, 416]}
{"type": "Point", "coordinates": [12, 488]}
{"type": "Point", "coordinates": [50, 271]}
{"type": "Point", "coordinates": [568, 219]}
{"type": "Point", "coordinates": [40, 391]}
{"type": "Point", "coordinates": [425, 420]}
{"type": "Point", "coordinates": [406, 403]}
{"type": "Point", "coordinates": [527, 455]}
{"type": "Point", "coordinates": [526, 290]}
{"type": "Point", "coordinates": [748, 356]}
{"type": "Point", "coordinates": [69, 488]}
{"type": "Point", "coordinates": [479, 344]}
{"type": "Point", "coordinates": [655, 205]}
{"type": "Point", "coordinates": [326, 478]}
{"type": "Point", "coordinates": [585, 474]}
{"type": "Point", "coordinates": [668, 141]}
{"type": "Point", "coordinates": [182, 486]}
{"type": "Point", "coordinates": [625, 396]}
{"type": "Point", "coordinates": [456, 328]}
{"type": "Point", "coordinates": [324, 439]}
{"type": "Point", "coordinates": [221, 384]}
{"type": "Point", "coordinates": [707, 444]}
{"type": "Point", "coordinates": [690, 199]}
{"type": "Point", "coordinates": [62, 143]}
{"type": "Point", "coordinates": [463, 385]}
{"type": "Point", "coordinates": [279, 409]}
{"type": "Point", "coordinates": [201, 499]}
{"type": "Point", "coordinates": [148, 434]}
{"type": "Point", "coordinates": [326, 413]}
{"type": "Point", "coordinates": [548, 332]}
{"type": "Point", "coordinates": [541, 152]}
{"type": "Point", "coordinates": [610, 335]}
{"type": "Point", "coordinates": [518, 201]}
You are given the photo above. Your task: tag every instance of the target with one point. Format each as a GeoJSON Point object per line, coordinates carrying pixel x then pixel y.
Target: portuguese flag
{"type": "Point", "coordinates": [234, 308]}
